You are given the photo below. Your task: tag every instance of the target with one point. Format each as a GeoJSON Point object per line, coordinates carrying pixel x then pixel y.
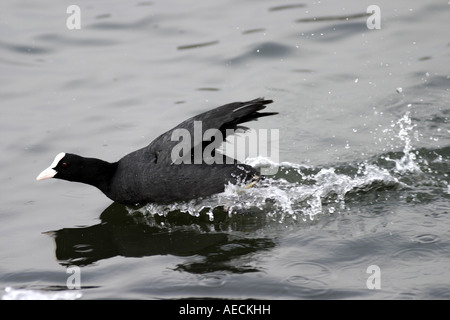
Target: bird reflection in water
{"type": "Point", "coordinates": [120, 233]}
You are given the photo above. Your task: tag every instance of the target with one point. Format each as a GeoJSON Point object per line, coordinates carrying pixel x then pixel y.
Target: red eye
{"type": "Point", "coordinates": [64, 164]}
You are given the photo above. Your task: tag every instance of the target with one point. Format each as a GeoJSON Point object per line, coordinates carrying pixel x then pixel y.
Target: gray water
{"type": "Point", "coordinates": [364, 151]}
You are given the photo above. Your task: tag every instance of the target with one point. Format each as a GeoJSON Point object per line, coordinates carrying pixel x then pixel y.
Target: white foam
{"type": "Point", "coordinates": [30, 294]}
{"type": "Point", "coordinates": [324, 191]}
{"type": "Point", "coordinates": [314, 191]}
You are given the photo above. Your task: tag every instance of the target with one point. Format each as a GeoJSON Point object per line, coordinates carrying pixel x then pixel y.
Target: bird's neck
{"type": "Point", "coordinates": [99, 173]}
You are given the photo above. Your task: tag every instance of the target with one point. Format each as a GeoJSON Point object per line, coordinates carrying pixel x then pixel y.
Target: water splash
{"type": "Point", "coordinates": [302, 193]}
{"type": "Point", "coordinates": [407, 163]}
{"type": "Point", "coordinates": [315, 193]}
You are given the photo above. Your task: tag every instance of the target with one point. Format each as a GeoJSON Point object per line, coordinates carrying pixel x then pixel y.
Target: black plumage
{"type": "Point", "coordinates": [151, 174]}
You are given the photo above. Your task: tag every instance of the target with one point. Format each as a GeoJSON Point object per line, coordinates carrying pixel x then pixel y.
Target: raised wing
{"type": "Point", "coordinates": [217, 120]}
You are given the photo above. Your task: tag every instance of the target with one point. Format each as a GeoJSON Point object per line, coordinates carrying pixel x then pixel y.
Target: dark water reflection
{"type": "Point", "coordinates": [179, 234]}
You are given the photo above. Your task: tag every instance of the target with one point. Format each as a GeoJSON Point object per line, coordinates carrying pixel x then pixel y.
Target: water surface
{"type": "Point", "coordinates": [364, 156]}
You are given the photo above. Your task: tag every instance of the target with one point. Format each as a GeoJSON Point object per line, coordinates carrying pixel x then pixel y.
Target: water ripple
{"type": "Point", "coordinates": [309, 269]}
{"type": "Point", "coordinates": [307, 287]}
{"type": "Point", "coordinates": [416, 255]}
{"type": "Point", "coordinates": [335, 18]}
{"type": "Point", "coordinates": [26, 49]}
{"type": "Point", "coordinates": [213, 280]}
{"type": "Point", "coordinates": [425, 238]}
{"type": "Point", "coordinates": [197, 45]}
{"type": "Point", "coordinates": [59, 40]}
{"type": "Point", "coordinates": [265, 50]}
{"type": "Point", "coordinates": [287, 7]}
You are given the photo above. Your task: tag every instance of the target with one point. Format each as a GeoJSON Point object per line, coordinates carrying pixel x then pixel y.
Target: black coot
{"type": "Point", "coordinates": [152, 174]}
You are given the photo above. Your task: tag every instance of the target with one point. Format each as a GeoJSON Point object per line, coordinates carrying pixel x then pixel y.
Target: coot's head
{"type": "Point", "coordinates": [66, 166]}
